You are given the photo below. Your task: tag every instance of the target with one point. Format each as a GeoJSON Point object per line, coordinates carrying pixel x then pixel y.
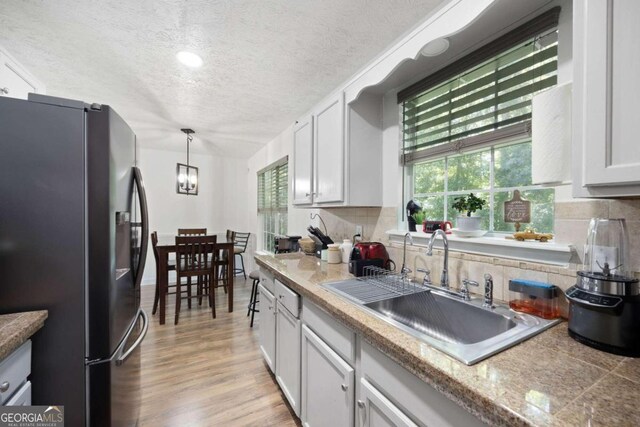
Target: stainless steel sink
{"type": "Point", "coordinates": [462, 329]}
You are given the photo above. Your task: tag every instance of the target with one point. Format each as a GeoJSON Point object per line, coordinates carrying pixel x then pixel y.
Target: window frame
{"type": "Point", "coordinates": [501, 136]}
{"type": "Point", "coordinates": [491, 190]}
{"type": "Point", "coordinates": [270, 218]}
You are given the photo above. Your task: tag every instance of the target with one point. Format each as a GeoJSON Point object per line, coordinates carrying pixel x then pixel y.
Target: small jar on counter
{"type": "Point", "coordinates": [334, 255]}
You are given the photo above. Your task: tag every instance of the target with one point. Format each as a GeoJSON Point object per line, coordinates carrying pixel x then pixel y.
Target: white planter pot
{"type": "Point", "coordinates": [468, 223]}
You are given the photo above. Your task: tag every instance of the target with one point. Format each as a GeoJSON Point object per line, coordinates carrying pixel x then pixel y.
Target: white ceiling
{"type": "Point", "coordinates": [266, 62]}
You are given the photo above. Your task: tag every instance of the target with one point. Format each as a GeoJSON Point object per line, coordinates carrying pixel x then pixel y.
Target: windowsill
{"type": "Point", "coordinates": [495, 246]}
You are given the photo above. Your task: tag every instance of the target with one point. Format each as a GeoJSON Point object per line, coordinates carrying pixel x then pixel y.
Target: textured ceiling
{"type": "Point", "coordinates": [266, 62]}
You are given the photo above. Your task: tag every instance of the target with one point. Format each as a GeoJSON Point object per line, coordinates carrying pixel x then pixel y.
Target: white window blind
{"type": "Point", "coordinates": [273, 188]}
{"type": "Point", "coordinates": [273, 196]}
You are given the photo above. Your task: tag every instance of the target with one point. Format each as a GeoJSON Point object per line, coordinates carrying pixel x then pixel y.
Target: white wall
{"type": "Point", "coordinates": [279, 147]}
{"type": "Point", "coordinates": [220, 204]}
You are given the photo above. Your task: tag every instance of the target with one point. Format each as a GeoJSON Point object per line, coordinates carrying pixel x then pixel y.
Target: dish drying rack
{"type": "Point", "coordinates": [376, 284]}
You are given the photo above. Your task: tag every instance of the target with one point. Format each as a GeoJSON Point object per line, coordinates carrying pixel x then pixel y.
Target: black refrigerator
{"type": "Point", "coordinates": [73, 241]}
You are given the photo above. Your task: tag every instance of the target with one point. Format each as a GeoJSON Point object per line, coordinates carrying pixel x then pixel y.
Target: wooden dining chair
{"type": "Point", "coordinates": [170, 267]}
{"type": "Point", "coordinates": [196, 256]}
{"type": "Point", "coordinates": [241, 241]}
{"type": "Point", "coordinates": [223, 276]}
{"type": "Point", "coordinates": [201, 280]}
{"type": "Point", "coordinates": [192, 231]}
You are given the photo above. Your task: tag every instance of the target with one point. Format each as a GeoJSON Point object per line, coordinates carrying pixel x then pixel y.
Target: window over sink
{"type": "Point", "coordinates": [466, 128]}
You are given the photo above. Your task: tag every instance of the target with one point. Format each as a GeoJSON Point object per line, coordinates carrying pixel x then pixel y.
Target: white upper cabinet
{"type": "Point", "coordinates": [303, 161]}
{"type": "Point", "coordinates": [606, 92]}
{"type": "Point", "coordinates": [329, 150]}
{"type": "Point", "coordinates": [337, 154]}
{"type": "Point", "coordinates": [15, 80]}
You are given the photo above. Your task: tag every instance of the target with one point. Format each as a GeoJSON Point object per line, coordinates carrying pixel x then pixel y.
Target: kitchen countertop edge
{"type": "Point", "coordinates": [17, 328]}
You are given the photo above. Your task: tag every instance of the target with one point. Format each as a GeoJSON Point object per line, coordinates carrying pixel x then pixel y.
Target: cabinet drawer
{"type": "Point", "coordinates": [340, 338]}
{"type": "Point", "coordinates": [288, 298]}
{"type": "Point", "coordinates": [22, 397]}
{"type": "Point", "coordinates": [14, 370]}
{"type": "Point", "coordinates": [266, 280]}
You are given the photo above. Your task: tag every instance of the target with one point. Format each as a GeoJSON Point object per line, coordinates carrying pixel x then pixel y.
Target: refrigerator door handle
{"type": "Point", "coordinates": [145, 327]}
{"type": "Point", "coordinates": [144, 213]}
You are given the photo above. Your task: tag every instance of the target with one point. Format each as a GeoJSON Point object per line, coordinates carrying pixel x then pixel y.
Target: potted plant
{"type": "Point", "coordinates": [468, 205]}
{"type": "Point", "coordinates": [419, 217]}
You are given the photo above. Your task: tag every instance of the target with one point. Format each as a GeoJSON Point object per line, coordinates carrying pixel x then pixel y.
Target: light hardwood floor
{"type": "Point", "coordinates": [208, 372]}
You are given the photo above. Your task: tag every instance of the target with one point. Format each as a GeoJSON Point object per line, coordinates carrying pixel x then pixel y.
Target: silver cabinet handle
{"type": "Point", "coordinates": [4, 386]}
{"type": "Point", "coordinates": [4, 90]}
{"type": "Point", "coordinates": [360, 404]}
{"type": "Point", "coordinates": [344, 387]}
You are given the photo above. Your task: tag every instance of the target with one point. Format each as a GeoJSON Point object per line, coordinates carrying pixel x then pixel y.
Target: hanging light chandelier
{"type": "Point", "coordinates": [187, 175]}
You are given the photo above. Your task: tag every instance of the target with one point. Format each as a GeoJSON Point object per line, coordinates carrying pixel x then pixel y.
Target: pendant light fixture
{"type": "Point", "coordinates": [187, 175]}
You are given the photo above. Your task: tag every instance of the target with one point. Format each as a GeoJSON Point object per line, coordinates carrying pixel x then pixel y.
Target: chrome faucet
{"type": "Point", "coordinates": [404, 271]}
{"type": "Point", "coordinates": [488, 291]}
{"type": "Point", "coordinates": [444, 277]}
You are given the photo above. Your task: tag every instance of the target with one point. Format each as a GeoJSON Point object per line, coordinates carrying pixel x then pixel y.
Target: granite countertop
{"type": "Point", "coordinates": [16, 328]}
{"type": "Point", "coordinates": [548, 380]}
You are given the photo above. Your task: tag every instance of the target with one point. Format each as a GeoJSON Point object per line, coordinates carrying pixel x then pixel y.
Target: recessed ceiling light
{"type": "Point", "coordinates": [189, 59]}
{"type": "Point", "coordinates": [435, 47]}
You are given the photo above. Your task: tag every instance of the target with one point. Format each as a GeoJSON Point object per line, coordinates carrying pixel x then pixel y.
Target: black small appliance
{"type": "Point", "coordinates": [604, 304]}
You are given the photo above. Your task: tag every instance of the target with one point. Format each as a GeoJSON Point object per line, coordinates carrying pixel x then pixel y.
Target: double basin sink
{"type": "Point", "coordinates": [462, 329]}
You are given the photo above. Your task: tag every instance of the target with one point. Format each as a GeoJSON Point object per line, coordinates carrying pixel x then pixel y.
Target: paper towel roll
{"type": "Point", "coordinates": [551, 136]}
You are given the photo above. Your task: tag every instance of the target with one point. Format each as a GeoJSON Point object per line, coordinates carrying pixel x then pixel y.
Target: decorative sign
{"type": "Point", "coordinates": [517, 210]}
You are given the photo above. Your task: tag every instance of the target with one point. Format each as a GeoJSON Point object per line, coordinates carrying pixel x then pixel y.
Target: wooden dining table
{"type": "Point", "coordinates": [167, 245]}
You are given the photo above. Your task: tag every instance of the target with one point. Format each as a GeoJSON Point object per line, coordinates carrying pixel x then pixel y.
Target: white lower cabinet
{"type": "Point", "coordinates": [375, 410]}
{"type": "Point", "coordinates": [15, 389]}
{"type": "Point", "coordinates": [21, 397]}
{"type": "Point", "coordinates": [267, 319]}
{"type": "Point", "coordinates": [288, 355]}
{"type": "Point", "coordinates": [333, 377]}
{"type": "Point", "coordinates": [328, 384]}
{"type": "Point", "coordinates": [419, 402]}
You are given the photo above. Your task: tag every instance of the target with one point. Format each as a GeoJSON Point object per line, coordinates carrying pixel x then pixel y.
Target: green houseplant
{"type": "Point", "coordinates": [466, 206]}
{"type": "Point", "coordinates": [419, 217]}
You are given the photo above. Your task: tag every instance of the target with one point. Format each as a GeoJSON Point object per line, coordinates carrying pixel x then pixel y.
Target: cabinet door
{"type": "Point", "coordinates": [267, 327]}
{"type": "Point", "coordinates": [327, 384]}
{"type": "Point", "coordinates": [22, 397]}
{"type": "Point", "coordinates": [608, 36]}
{"type": "Point", "coordinates": [15, 82]}
{"type": "Point", "coordinates": [303, 161]}
{"type": "Point", "coordinates": [377, 411]}
{"type": "Point", "coordinates": [288, 356]}
{"type": "Point", "coordinates": [329, 151]}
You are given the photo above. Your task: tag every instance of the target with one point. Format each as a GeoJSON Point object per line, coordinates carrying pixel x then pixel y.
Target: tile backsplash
{"type": "Point", "coordinates": [341, 222]}
{"type": "Point", "coordinates": [571, 225]}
